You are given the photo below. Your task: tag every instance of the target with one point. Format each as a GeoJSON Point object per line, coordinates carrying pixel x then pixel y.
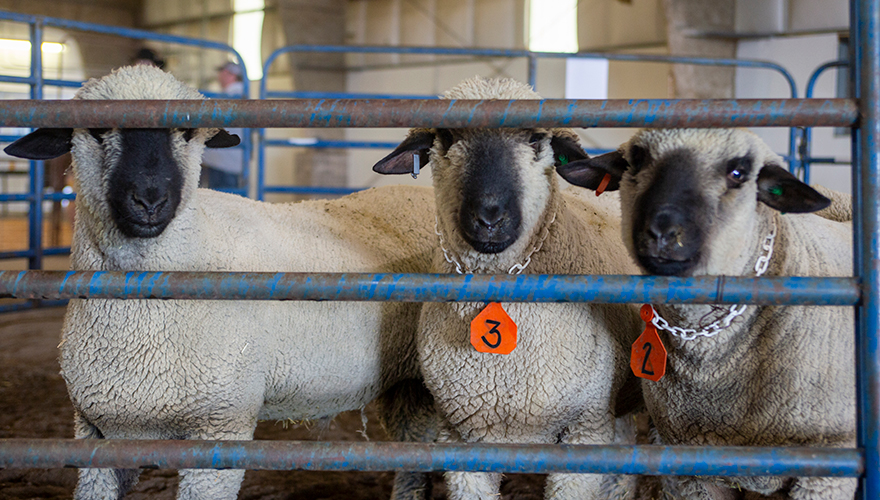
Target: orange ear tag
{"type": "Point", "coordinates": [493, 331]}
{"type": "Point", "coordinates": [648, 358]}
{"type": "Point", "coordinates": [603, 184]}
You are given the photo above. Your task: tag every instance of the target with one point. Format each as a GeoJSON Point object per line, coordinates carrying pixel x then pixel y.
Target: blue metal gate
{"type": "Point", "coordinates": [861, 113]}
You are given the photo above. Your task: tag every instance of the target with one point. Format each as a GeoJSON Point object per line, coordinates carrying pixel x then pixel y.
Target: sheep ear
{"type": "Point", "coordinates": [223, 139]}
{"type": "Point", "coordinates": [566, 150]}
{"type": "Point", "coordinates": [400, 161]}
{"type": "Point", "coordinates": [589, 172]}
{"type": "Point", "coordinates": [42, 144]}
{"type": "Point", "coordinates": [780, 190]}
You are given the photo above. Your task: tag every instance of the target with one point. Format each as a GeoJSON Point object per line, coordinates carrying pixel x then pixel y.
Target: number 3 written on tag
{"type": "Point", "coordinates": [493, 331]}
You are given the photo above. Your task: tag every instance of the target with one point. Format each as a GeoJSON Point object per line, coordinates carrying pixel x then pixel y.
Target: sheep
{"type": "Point", "coordinates": [210, 369]}
{"type": "Point", "coordinates": [500, 210]}
{"type": "Point", "coordinates": [777, 376]}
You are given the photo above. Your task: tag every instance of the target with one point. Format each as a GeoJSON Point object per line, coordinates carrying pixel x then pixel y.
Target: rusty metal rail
{"type": "Point", "coordinates": [383, 456]}
{"type": "Point", "coordinates": [324, 113]}
{"type": "Point", "coordinates": [427, 287]}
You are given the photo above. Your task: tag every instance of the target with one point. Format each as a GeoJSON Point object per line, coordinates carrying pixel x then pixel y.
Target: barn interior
{"type": "Point", "coordinates": [568, 49]}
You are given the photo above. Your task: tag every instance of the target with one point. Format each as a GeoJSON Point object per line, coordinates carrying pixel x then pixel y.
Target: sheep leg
{"type": "Point", "coordinates": [468, 485]}
{"type": "Point", "coordinates": [698, 488]}
{"type": "Point", "coordinates": [592, 429]}
{"type": "Point", "coordinates": [207, 484]}
{"type": "Point", "coordinates": [198, 484]}
{"type": "Point", "coordinates": [826, 488]}
{"type": "Point", "coordinates": [100, 484]}
{"type": "Point", "coordinates": [473, 485]}
{"type": "Point", "coordinates": [407, 413]}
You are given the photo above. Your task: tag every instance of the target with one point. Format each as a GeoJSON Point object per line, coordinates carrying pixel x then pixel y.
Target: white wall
{"type": "Point", "coordinates": [800, 55]}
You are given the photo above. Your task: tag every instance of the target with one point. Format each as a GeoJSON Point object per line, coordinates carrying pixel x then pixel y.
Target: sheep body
{"type": "Point", "coordinates": [209, 369]}
{"type": "Point", "coordinates": [560, 382]}
{"type": "Point", "coordinates": [778, 376]}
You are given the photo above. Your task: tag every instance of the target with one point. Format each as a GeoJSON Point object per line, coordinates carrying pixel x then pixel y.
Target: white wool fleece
{"type": "Point", "coordinates": [209, 369]}
{"type": "Point", "coordinates": [778, 376]}
{"type": "Point", "coordinates": [560, 383]}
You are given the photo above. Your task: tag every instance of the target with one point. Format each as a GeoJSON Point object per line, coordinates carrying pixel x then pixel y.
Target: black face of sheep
{"type": "Point", "coordinates": [678, 202]}
{"type": "Point", "coordinates": [490, 211]}
{"type": "Point", "coordinates": [144, 190]}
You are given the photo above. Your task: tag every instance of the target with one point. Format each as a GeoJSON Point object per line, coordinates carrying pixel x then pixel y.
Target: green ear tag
{"type": "Point", "coordinates": [562, 159]}
{"type": "Point", "coordinates": [775, 191]}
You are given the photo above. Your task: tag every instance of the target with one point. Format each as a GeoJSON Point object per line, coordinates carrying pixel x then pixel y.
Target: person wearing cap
{"type": "Point", "coordinates": [230, 77]}
{"type": "Point", "coordinates": [223, 167]}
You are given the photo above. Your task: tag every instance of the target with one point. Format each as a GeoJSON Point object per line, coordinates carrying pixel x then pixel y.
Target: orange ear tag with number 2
{"type": "Point", "coordinates": [493, 331]}
{"type": "Point", "coordinates": [648, 358]}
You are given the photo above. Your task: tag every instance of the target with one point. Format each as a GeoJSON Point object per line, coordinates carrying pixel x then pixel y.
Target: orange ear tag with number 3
{"type": "Point", "coordinates": [648, 358]}
{"type": "Point", "coordinates": [493, 331]}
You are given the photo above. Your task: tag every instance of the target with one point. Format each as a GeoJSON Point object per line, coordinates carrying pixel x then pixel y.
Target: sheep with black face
{"type": "Point", "coordinates": [203, 369]}
{"type": "Point", "coordinates": [718, 202]}
{"type": "Point", "coordinates": [500, 210]}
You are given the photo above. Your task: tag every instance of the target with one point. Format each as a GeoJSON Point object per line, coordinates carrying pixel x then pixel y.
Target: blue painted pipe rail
{"type": "Point", "coordinates": [686, 113]}
{"type": "Point", "coordinates": [806, 159]}
{"type": "Point", "coordinates": [476, 457]}
{"type": "Point", "coordinates": [865, 37]}
{"type": "Point", "coordinates": [427, 287]}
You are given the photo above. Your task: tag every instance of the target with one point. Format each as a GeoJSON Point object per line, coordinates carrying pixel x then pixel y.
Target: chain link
{"type": "Point", "coordinates": [519, 268]}
{"type": "Point", "coordinates": [735, 310]}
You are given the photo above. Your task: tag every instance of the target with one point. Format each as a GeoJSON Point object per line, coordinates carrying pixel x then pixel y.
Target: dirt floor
{"type": "Point", "coordinates": [34, 404]}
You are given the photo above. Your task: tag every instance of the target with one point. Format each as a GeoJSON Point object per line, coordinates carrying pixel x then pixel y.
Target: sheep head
{"type": "Point", "coordinates": [135, 177]}
{"type": "Point", "coordinates": [493, 186]}
{"type": "Point", "coordinates": [689, 197]}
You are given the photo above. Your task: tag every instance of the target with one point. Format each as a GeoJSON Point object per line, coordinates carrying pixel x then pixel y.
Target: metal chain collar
{"type": "Point", "coordinates": [519, 268]}
{"type": "Point", "coordinates": [734, 311]}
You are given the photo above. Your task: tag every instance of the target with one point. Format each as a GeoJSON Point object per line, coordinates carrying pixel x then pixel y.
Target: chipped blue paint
{"type": "Point", "coordinates": [504, 116]}
{"type": "Point", "coordinates": [476, 457]}
{"type": "Point", "coordinates": [430, 287]}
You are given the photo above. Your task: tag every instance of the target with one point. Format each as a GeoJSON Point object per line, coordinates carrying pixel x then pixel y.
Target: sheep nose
{"type": "Point", "coordinates": [665, 227]}
{"type": "Point", "coordinates": [151, 202]}
{"type": "Point", "coordinates": [489, 216]}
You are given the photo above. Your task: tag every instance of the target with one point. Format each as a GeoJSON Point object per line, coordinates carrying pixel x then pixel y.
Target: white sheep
{"type": "Point", "coordinates": [777, 376]}
{"type": "Point", "coordinates": [499, 210]}
{"type": "Point", "coordinates": [203, 369]}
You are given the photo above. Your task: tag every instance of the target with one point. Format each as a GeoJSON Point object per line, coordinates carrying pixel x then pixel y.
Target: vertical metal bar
{"type": "Point", "coordinates": [533, 70]}
{"type": "Point", "coordinates": [35, 219]}
{"type": "Point", "coordinates": [261, 164]}
{"type": "Point", "coordinates": [869, 141]}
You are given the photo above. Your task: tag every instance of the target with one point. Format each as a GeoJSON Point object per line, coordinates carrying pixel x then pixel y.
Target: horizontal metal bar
{"type": "Point", "coordinates": [386, 456]}
{"type": "Point", "coordinates": [20, 254]}
{"type": "Point", "coordinates": [312, 189]}
{"type": "Point", "coordinates": [31, 305]}
{"type": "Point", "coordinates": [430, 113]}
{"type": "Point", "coordinates": [427, 287]}
{"type": "Point", "coordinates": [308, 94]}
{"type": "Point", "coordinates": [311, 142]}
{"type": "Point", "coordinates": [28, 197]}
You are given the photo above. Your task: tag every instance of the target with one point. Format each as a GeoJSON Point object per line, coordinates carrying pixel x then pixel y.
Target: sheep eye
{"type": "Point", "coordinates": [738, 170]}
{"type": "Point", "coordinates": [98, 134]}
